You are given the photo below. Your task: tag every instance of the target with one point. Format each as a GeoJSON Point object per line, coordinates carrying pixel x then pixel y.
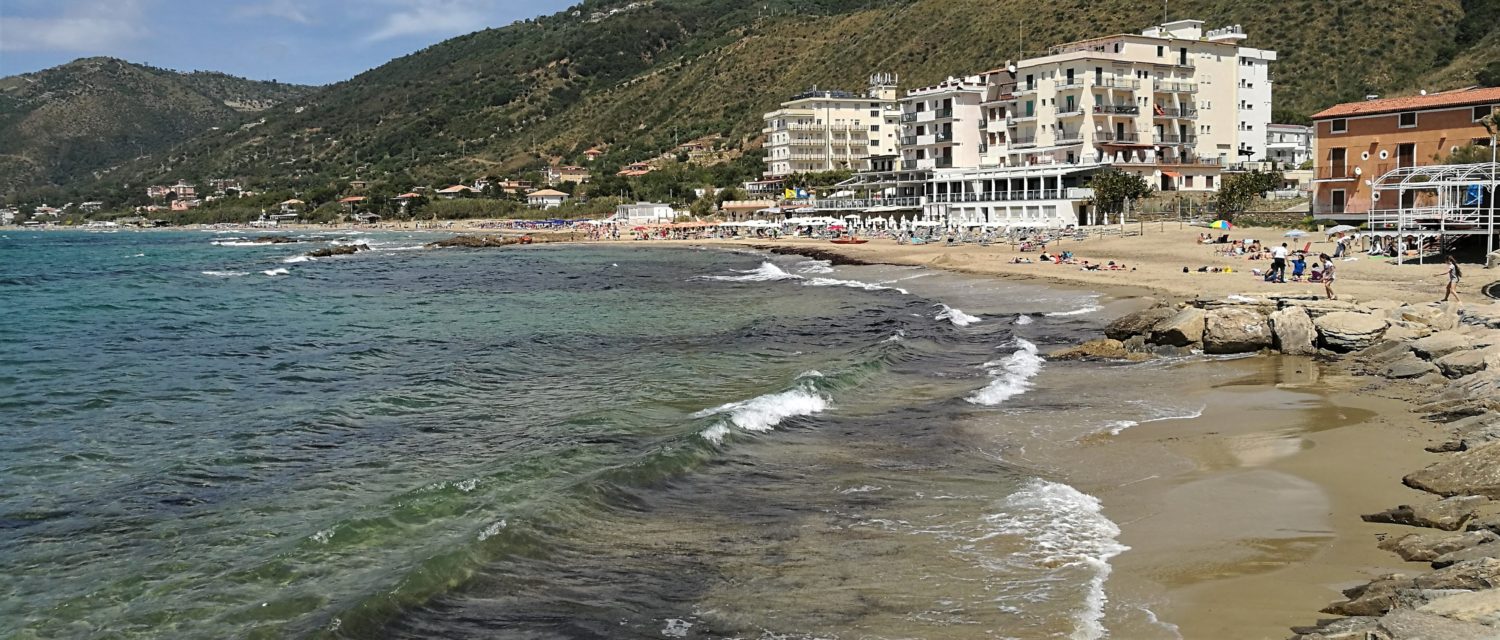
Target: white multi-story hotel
{"type": "Point", "coordinates": [832, 130]}
{"type": "Point", "coordinates": [1289, 145]}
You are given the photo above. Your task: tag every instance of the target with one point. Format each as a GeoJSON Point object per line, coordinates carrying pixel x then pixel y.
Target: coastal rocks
{"type": "Point", "coordinates": [1294, 332]}
{"type": "Point", "coordinates": [1346, 331]}
{"type": "Point", "coordinates": [1356, 628]}
{"type": "Point", "coordinates": [1447, 515]}
{"type": "Point", "coordinates": [1441, 317]}
{"type": "Point", "coordinates": [1182, 329]}
{"type": "Point", "coordinates": [1408, 367]}
{"type": "Point", "coordinates": [1403, 624]}
{"type": "Point", "coordinates": [1482, 607]}
{"type": "Point", "coordinates": [1385, 593]}
{"type": "Point", "coordinates": [338, 250]}
{"type": "Point", "coordinates": [1469, 433]}
{"type": "Point", "coordinates": [1319, 308]}
{"type": "Point", "coordinates": [1235, 331]}
{"type": "Point", "coordinates": [1470, 473]}
{"type": "Point", "coordinates": [1105, 349]}
{"type": "Point", "coordinates": [1137, 324]}
{"type": "Point", "coordinates": [274, 240]}
{"type": "Point", "coordinates": [476, 242]}
{"type": "Point", "coordinates": [1426, 547]}
{"type": "Point", "coordinates": [1441, 344]}
{"type": "Point", "coordinates": [1463, 363]}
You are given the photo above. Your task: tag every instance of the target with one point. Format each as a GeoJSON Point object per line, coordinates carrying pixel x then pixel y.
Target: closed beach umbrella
{"type": "Point", "coordinates": [1220, 224]}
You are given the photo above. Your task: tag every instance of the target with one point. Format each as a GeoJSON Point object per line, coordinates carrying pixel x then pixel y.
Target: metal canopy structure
{"type": "Point", "coordinates": [1441, 200]}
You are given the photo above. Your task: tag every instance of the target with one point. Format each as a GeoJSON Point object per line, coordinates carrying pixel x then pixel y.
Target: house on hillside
{"type": "Point", "coordinates": [1357, 142]}
{"type": "Point", "coordinates": [457, 191]}
{"type": "Point", "coordinates": [8, 216]}
{"type": "Point", "coordinates": [593, 154]}
{"type": "Point", "coordinates": [1288, 145]}
{"type": "Point", "coordinates": [185, 204]}
{"type": "Point", "coordinates": [45, 211]}
{"type": "Point", "coordinates": [635, 170]}
{"type": "Point", "coordinates": [559, 175]}
{"type": "Point", "coordinates": [91, 206]}
{"type": "Point", "coordinates": [157, 192]}
{"type": "Point", "coordinates": [514, 187]}
{"type": "Point", "coordinates": [358, 185]}
{"type": "Point", "coordinates": [293, 206]}
{"type": "Point", "coordinates": [184, 190]}
{"type": "Point", "coordinates": [546, 199]}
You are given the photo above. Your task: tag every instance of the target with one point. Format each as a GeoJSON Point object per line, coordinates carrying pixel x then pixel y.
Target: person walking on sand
{"type": "Point", "coordinates": [1454, 275]}
{"type": "Point", "coordinates": [1278, 264]}
{"type": "Point", "coordinates": [1327, 275]}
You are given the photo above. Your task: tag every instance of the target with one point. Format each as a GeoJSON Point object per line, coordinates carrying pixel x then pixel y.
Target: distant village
{"type": "Point", "coordinates": [1182, 107]}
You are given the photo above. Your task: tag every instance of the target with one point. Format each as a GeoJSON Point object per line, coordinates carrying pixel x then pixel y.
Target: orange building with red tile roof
{"type": "Point", "coordinates": [1357, 142]}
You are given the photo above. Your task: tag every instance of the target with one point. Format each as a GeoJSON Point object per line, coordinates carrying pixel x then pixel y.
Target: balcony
{"type": "Point", "coordinates": [1127, 84]}
{"type": "Point", "coordinates": [908, 141]}
{"type": "Point", "coordinates": [1011, 121]}
{"type": "Point", "coordinates": [1070, 111]}
{"type": "Point", "coordinates": [1110, 137]}
{"type": "Point", "coordinates": [1116, 110]}
{"type": "Point", "coordinates": [1069, 137]}
{"type": "Point", "coordinates": [909, 165]}
{"type": "Point", "coordinates": [945, 162]}
{"type": "Point", "coordinates": [909, 117]}
{"type": "Point", "coordinates": [1176, 112]}
{"type": "Point", "coordinates": [1066, 84]}
{"type": "Point", "coordinates": [1191, 162]}
{"type": "Point", "coordinates": [1025, 90]}
{"type": "Point", "coordinates": [941, 114]}
{"type": "Point", "coordinates": [1174, 139]}
{"type": "Point", "coordinates": [1334, 172]}
{"type": "Point", "coordinates": [1018, 142]}
{"type": "Point", "coordinates": [942, 137]}
{"type": "Point", "coordinates": [1167, 86]}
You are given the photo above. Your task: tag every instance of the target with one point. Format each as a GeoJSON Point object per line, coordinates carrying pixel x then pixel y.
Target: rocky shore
{"type": "Point", "coordinates": [1451, 362]}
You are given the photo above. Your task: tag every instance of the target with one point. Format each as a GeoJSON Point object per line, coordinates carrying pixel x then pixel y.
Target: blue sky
{"type": "Point", "coordinates": [300, 41]}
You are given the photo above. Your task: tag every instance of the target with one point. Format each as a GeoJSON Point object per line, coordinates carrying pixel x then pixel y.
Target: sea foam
{"type": "Point", "coordinates": [766, 272]}
{"type": "Point", "coordinates": [1065, 528]}
{"type": "Point", "coordinates": [763, 413]}
{"type": "Point", "coordinates": [296, 259]}
{"type": "Point", "coordinates": [225, 274]}
{"type": "Point", "coordinates": [956, 316]}
{"type": "Point", "coordinates": [277, 272]}
{"type": "Point", "coordinates": [855, 284]}
{"type": "Point", "coordinates": [1012, 375]}
{"type": "Point", "coordinates": [1076, 312]}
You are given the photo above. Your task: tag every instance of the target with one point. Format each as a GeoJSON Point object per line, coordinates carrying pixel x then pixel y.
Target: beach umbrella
{"type": "Point", "coordinates": [1294, 234]}
{"type": "Point", "coordinates": [1220, 224]}
{"type": "Point", "coordinates": [1343, 228]}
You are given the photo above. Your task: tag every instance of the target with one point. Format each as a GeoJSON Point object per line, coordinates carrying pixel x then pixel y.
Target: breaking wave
{"type": "Point", "coordinates": [766, 272]}
{"type": "Point", "coordinates": [956, 316]}
{"type": "Point", "coordinates": [1012, 375]}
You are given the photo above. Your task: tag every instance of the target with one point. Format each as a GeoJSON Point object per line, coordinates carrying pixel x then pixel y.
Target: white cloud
{"type": "Point", "coordinates": [285, 9]}
{"type": "Point", "coordinates": [433, 17]}
{"type": "Point", "coordinates": [99, 25]}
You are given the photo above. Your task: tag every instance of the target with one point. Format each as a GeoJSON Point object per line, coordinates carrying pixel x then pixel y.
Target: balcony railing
{"type": "Point", "coordinates": [1025, 89]}
{"type": "Point", "coordinates": [942, 113]}
{"type": "Point", "coordinates": [1117, 109]}
{"type": "Point", "coordinates": [909, 165]}
{"type": "Point", "coordinates": [1334, 172]}
{"type": "Point", "coordinates": [907, 141]}
{"type": "Point", "coordinates": [1017, 142]}
{"type": "Point", "coordinates": [1011, 196]}
{"type": "Point", "coordinates": [1119, 138]}
{"type": "Point", "coordinates": [1070, 111]}
{"type": "Point", "coordinates": [1176, 87]}
{"type": "Point", "coordinates": [1128, 84]}
{"type": "Point", "coordinates": [1172, 138]}
{"type": "Point", "coordinates": [944, 162]}
{"type": "Point", "coordinates": [1075, 83]}
{"type": "Point", "coordinates": [1176, 112]}
{"type": "Point", "coordinates": [1068, 137]}
{"type": "Point", "coordinates": [942, 137]}
{"type": "Point", "coordinates": [909, 117]}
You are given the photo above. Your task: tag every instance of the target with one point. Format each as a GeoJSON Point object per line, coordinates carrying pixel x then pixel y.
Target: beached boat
{"type": "Point", "coordinates": [850, 240]}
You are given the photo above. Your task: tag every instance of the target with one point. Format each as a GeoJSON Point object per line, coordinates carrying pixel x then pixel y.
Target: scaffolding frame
{"type": "Point", "coordinates": [1444, 188]}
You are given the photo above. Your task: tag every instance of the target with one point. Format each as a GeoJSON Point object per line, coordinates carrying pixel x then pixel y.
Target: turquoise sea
{"type": "Point", "coordinates": [209, 438]}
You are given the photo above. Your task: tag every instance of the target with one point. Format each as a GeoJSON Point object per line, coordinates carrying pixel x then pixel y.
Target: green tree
{"type": "Point", "coordinates": [1490, 75]}
{"type": "Point", "coordinates": [1468, 154]}
{"type": "Point", "coordinates": [1238, 191]}
{"type": "Point", "coordinates": [1113, 187]}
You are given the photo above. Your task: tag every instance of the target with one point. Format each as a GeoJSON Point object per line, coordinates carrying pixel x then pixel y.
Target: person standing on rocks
{"type": "Point", "coordinates": [1454, 275]}
{"type": "Point", "coordinates": [1327, 275]}
{"type": "Point", "coordinates": [1278, 263]}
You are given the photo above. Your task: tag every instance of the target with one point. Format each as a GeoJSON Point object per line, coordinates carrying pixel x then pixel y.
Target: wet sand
{"type": "Point", "coordinates": [1245, 521]}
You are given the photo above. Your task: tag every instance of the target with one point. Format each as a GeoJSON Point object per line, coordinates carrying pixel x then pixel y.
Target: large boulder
{"type": "Point", "coordinates": [1355, 628]}
{"type": "Point", "coordinates": [1408, 367]}
{"type": "Point", "coordinates": [1407, 624]}
{"type": "Point", "coordinates": [1448, 515]}
{"type": "Point", "coordinates": [1346, 331]}
{"type": "Point", "coordinates": [1294, 332]}
{"type": "Point", "coordinates": [1441, 344]}
{"type": "Point", "coordinates": [1233, 330]}
{"type": "Point", "coordinates": [1462, 363]}
{"type": "Point", "coordinates": [1181, 329]}
{"type": "Point", "coordinates": [1318, 308]}
{"type": "Point", "coordinates": [1469, 433]}
{"type": "Point", "coordinates": [1482, 607]}
{"type": "Point", "coordinates": [1476, 552]}
{"type": "Point", "coordinates": [1138, 323]}
{"type": "Point", "coordinates": [1469, 473]}
{"type": "Point", "coordinates": [1426, 547]}
{"type": "Point", "coordinates": [1440, 317]}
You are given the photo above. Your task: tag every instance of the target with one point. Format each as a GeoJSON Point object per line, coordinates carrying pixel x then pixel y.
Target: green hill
{"type": "Point", "coordinates": [67, 123]}
{"type": "Point", "coordinates": [638, 76]}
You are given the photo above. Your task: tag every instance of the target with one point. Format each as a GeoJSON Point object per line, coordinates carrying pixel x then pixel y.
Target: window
{"type": "Point", "coordinates": [1480, 112]}
{"type": "Point", "coordinates": [1338, 125]}
{"type": "Point", "coordinates": [1187, 181]}
{"type": "Point", "coordinates": [1208, 181]}
{"type": "Point", "coordinates": [1408, 120]}
{"type": "Point", "coordinates": [874, 113]}
{"type": "Point", "coordinates": [1161, 51]}
{"type": "Point", "coordinates": [874, 127]}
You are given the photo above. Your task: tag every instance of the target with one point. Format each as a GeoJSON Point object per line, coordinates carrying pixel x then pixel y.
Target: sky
{"type": "Point", "coordinates": [298, 41]}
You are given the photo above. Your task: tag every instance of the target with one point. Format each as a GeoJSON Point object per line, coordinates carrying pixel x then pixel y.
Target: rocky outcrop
{"type": "Point", "coordinates": [1345, 331]}
{"type": "Point", "coordinates": [274, 240]}
{"type": "Point", "coordinates": [1236, 331]}
{"type": "Point", "coordinates": [1137, 324]}
{"type": "Point", "coordinates": [1426, 547]}
{"type": "Point", "coordinates": [1182, 329]}
{"type": "Point", "coordinates": [1446, 515]}
{"type": "Point", "coordinates": [338, 250]}
{"type": "Point", "coordinates": [1463, 363]}
{"type": "Point", "coordinates": [1397, 590]}
{"type": "Point", "coordinates": [1408, 367]}
{"type": "Point", "coordinates": [476, 242]}
{"type": "Point", "coordinates": [1468, 473]}
{"type": "Point", "coordinates": [1294, 332]}
{"type": "Point", "coordinates": [1482, 607]}
{"type": "Point", "coordinates": [1441, 344]}
{"type": "Point", "coordinates": [1105, 349]}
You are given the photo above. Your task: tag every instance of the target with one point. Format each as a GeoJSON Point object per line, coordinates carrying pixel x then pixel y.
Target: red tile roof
{"type": "Point", "coordinates": [1459, 98]}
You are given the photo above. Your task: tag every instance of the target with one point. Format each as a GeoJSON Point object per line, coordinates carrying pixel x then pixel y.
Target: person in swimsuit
{"type": "Point", "coordinates": [1454, 276]}
{"type": "Point", "coordinates": [1327, 275]}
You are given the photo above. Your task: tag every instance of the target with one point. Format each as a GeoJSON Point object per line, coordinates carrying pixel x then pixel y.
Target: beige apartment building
{"type": "Point", "coordinates": [1174, 104]}
{"type": "Point", "coordinates": [940, 124]}
{"type": "Point", "coordinates": [823, 130]}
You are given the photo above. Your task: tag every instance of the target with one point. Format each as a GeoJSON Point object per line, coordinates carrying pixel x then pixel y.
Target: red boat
{"type": "Point", "coordinates": [848, 240]}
